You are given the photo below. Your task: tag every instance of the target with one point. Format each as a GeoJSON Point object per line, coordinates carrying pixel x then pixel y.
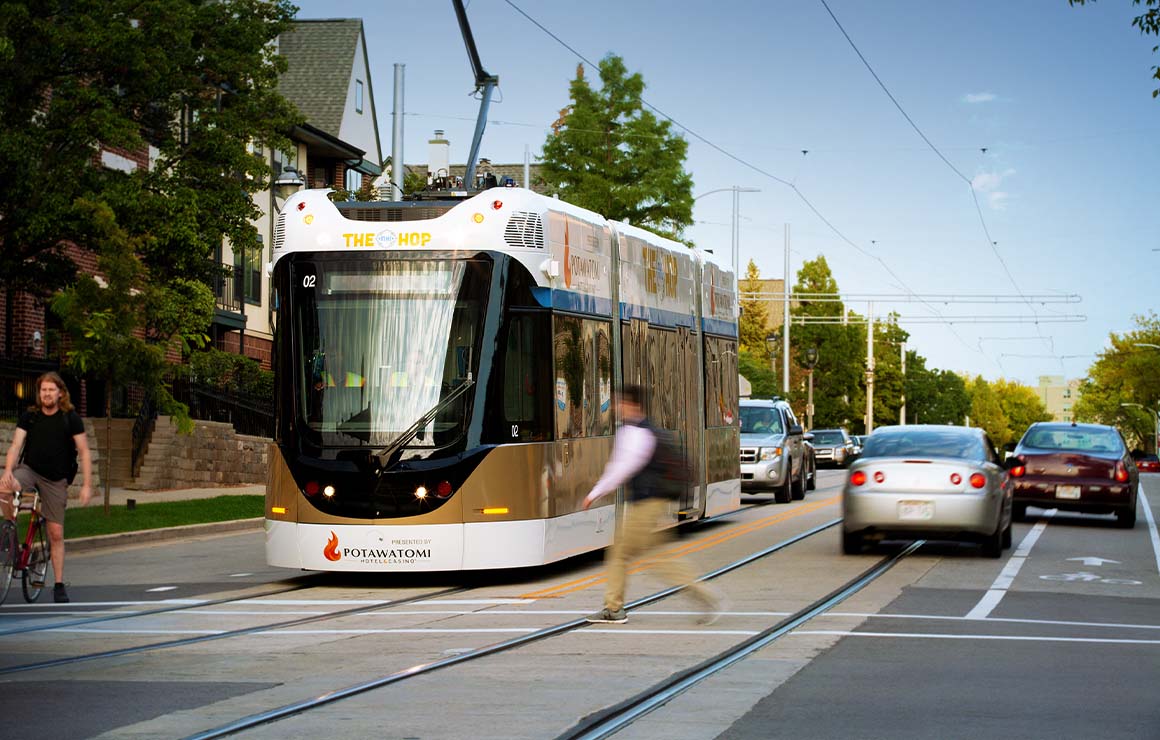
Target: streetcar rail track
{"type": "Point", "coordinates": [288, 710]}
{"type": "Point", "coordinates": [615, 718]}
{"type": "Point", "coordinates": [185, 605]}
{"type": "Point", "coordinates": [228, 633]}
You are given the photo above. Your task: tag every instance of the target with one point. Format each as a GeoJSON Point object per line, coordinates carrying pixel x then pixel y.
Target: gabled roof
{"type": "Point", "coordinates": [319, 56]}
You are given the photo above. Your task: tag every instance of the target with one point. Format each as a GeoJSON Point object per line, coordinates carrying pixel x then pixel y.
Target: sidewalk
{"type": "Point", "coordinates": [121, 496]}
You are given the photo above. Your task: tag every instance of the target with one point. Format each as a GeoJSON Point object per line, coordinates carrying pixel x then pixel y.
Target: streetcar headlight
{"type": "Point", "coordinates": [328, 491]}
{"type": "Point", "coordinates": [769, 453]}
{"type": "Point", "coordinates": [421, 492]}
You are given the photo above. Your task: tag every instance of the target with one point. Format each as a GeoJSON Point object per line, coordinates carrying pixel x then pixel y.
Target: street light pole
{"type": "Point", "coordinates": [735, 231]}
{"type": "Point", "coordinates": [811, 361]}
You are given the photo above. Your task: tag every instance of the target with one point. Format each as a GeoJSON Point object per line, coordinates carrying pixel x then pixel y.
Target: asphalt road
{"type": "Point", "coordinates": [1060, 638]}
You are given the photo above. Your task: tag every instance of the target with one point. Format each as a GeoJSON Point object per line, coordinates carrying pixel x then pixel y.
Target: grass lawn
{"type": "Point", "coordinates": [92, 520]}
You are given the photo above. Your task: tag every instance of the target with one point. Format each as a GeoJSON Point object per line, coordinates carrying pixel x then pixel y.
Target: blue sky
{"type": "Point", "coordinates": [1060, 98]}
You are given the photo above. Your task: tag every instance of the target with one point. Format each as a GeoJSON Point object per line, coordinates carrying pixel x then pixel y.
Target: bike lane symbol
{"type": "Point", "coordinates": [1084, 577]}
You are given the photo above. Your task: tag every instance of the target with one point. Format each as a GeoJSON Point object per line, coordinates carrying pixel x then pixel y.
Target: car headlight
{"type": "Point", "coordinates": [769, 453]}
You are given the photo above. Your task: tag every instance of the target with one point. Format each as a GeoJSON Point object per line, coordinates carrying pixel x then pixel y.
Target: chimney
{"type": "Point", "coordinates": [439, 155]}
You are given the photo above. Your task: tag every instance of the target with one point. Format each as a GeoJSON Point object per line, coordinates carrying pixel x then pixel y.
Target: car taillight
{"type": "Point", "coordinates": [879, 476]}
{"type": "Point", "coordinates": [857, 478]}
{"type": "Point", "coordinates": [978, 480]}
{"type": "Point", "coordinates": [1121, 472]}
{"type": "Point", "coordinates": [956, 479]}
{"type": "Point", "coordinates": [1017, 471]}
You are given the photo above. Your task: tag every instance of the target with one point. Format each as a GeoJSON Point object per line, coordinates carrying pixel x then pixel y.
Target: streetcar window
{"type": "Point", "coordinates": [381, 343]}
{"type": "Point", "coordinates": [568, 350]}
{"type": "Point", "coordinates": [720, 382]}
{"type": "Point", "coordinates": [521, 387]}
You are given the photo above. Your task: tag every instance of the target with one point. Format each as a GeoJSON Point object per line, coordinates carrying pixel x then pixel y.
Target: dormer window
{"type": "Point", "coordinates": [358, 96]}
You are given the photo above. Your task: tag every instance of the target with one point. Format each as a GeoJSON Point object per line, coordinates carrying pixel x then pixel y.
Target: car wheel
{"type": "Point", "coordinates": [1126, 518]}
{"type": "Point", "coordinates": [783, 494]}
{"type": "Point", "coordinates": [812, 478]}
{"type": "Point", "coordinates": [798, 488]}
{"type": "Point", "coordinates": [1019, 511]}
{"type": "Point", "coordinates": [1007, 536]}
{"type": "Point", "coordinates": [851, 543]}
{"type": "Point", "coordinates": [993, 545]}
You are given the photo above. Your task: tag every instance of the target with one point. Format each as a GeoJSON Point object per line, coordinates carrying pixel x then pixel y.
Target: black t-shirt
{"type": "Point", "coordinates": [49, 448]}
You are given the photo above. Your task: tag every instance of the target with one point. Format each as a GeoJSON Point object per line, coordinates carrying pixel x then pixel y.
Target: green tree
{"type": "Point", "coordinates": [1148, 23]}
{"type": "Point", "coordinates": [1021, 405]}
{"type": "Point", "coordinates": [838, 395]}
{"type": "Point", "coordinates": [1127, 372]}
{"type": "Point", "coordinates": [934, 396]}
{"type": "Point", "coordinates": [123, 327]}
{"type": "Point", "coordinates": [753, 326]}
{"type": "Point", "coordinates": [611, 155]}
{"type": "Point", "coordinates": [193, 83]}
{"type": "Point", "coordinates": [888, 380]}
{"type": "Point", "coordinates": [987, 412]}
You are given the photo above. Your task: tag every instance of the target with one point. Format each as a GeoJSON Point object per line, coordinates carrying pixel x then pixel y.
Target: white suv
{"type": "Point", "coordinates": [774, 454]}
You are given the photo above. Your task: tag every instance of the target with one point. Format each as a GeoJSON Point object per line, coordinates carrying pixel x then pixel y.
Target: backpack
{"type": "Point", "coordinates": [667, 473]}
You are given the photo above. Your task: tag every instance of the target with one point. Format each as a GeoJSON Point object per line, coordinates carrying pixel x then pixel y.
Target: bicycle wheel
{"type": "Point", "coordinates": [9, 554]}
{"type": "Point", "coordinates": [37, 569]}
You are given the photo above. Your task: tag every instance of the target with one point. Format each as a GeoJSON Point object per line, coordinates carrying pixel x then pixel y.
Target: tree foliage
{"type": "Point", "coordinates": [934, 396]}
{"type": "Point", "coordinates": [1127, 372]}
{"type": "Point", "coordinates": [610, 155]}
{"type": "Point", "coordinates": [1149, 24]}
{"type": "Point", "coordinates": [752, 327]}
{"type": "Point", "coordinates": [838, 395]}
{"type": "Point", "coordinates": [192, 82]}
{"type": "Point", "coordinates": [122, 326]}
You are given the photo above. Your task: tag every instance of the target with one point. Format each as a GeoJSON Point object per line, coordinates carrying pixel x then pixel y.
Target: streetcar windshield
{"type": "Point", "coordinates": [382, 342]}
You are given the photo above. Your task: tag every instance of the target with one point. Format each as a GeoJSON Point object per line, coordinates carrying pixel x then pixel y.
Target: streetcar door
{"type": "Point", "coordinates": [692, 505]}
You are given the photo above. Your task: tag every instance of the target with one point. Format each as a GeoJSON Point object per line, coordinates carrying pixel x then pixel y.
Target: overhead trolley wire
{"type": "Point", "coordinates": [974, 196]}
{"type": "Point", "coordinates": [787, 183]}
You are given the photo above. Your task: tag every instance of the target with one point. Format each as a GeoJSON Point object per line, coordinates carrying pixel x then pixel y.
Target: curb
{"type": "Point", "coordinates": [100, 542]}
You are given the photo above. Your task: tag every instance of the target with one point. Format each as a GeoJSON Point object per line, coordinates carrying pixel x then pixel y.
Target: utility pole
{"type": "Point", "coordinates": [785, 330]}
{"type": "Point", "coordinates": [870, 368]}
{"type": "Point", "coordinates": [397, 136]}
{"type": "Point", "coordinates": [902, 407]}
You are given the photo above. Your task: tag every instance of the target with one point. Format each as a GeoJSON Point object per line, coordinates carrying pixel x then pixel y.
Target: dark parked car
{"type": "Point", "coordinates": [1146, 463]}
{"type": "Point", "coordinates": [1077, 467]}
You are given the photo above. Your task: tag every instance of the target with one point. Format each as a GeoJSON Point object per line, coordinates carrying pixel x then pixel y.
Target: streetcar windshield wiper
{"type": "Point", "coordinates": [387, 456]}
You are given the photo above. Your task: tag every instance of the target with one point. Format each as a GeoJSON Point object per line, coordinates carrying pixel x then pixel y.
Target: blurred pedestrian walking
{"type": "Point", "coordinates": [655, 472]}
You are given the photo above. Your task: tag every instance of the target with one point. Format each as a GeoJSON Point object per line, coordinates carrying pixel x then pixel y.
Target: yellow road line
{"type": "Point", "coordinates": [702, 544]}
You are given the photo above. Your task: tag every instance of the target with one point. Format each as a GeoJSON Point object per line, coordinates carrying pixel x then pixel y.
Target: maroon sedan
{"type": "Point", "coordinates": [1077, 467]}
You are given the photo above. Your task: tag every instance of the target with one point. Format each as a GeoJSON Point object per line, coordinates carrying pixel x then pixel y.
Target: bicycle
{"type": "Point", "coordinates": [29, 558]}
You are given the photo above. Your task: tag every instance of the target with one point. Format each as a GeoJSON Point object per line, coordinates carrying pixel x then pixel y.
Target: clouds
{"type": "Point", "coordinates": [989, 184]}
{"type": "Point", "coordinates": [975, 98]}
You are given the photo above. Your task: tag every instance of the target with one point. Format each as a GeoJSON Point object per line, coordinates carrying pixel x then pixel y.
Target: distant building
{"type": "Point", "coordinates": [1058, 395]}
{"type": "Point", "coordinates": [440, 174]}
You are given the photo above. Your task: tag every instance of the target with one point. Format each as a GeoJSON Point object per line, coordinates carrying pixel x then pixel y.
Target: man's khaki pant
{"type": "Point", "coordinates": [639, 533]}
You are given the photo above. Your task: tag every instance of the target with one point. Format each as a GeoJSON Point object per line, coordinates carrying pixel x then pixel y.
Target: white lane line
{"type": "Point", "coordinates": [75, 604]}
{"type": "Point", "coordinates": [1016, 638]}
{"type": "Point", "coordinates": [1151, 526]}
{"type": "Point", "coordinates": [469, 602]}
{"type": "Point", "coordinates": [1006, 577]}
{"type": "Point", "coordinates": [160, 588]}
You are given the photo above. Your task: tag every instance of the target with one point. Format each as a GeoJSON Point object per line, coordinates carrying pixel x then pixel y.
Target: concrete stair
{"type": "Point", "coordinates": [157, 464]}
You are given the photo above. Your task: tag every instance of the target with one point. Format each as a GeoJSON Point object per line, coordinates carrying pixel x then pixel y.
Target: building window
{"type": "Point", "coordinates": [358, 96]}
{"type": "Point", "coordinates": [248, 264]}
{"type": "Point", "coordinates": [353, 180]}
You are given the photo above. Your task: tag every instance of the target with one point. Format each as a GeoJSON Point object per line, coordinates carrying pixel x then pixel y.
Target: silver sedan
{"type": "Point", "coordinates": [928, 482]}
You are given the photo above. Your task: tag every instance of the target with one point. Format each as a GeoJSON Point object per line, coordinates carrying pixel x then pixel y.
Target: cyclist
{"type": "Point", "coordinates": [48, 440]}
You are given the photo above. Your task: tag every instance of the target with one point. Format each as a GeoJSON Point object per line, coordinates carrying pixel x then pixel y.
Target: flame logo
{"type": "Point", "coordinates": [331, 550]}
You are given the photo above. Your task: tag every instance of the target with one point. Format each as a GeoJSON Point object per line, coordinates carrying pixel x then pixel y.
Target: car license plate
{"type": "Point", "coordinates": [1067, 491]}
{"type": "Point", "coordinates": [915, 510]}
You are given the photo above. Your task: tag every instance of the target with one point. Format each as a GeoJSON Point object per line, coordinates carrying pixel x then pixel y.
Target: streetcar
{"type": "Point", "coordinates": [445, 378]}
